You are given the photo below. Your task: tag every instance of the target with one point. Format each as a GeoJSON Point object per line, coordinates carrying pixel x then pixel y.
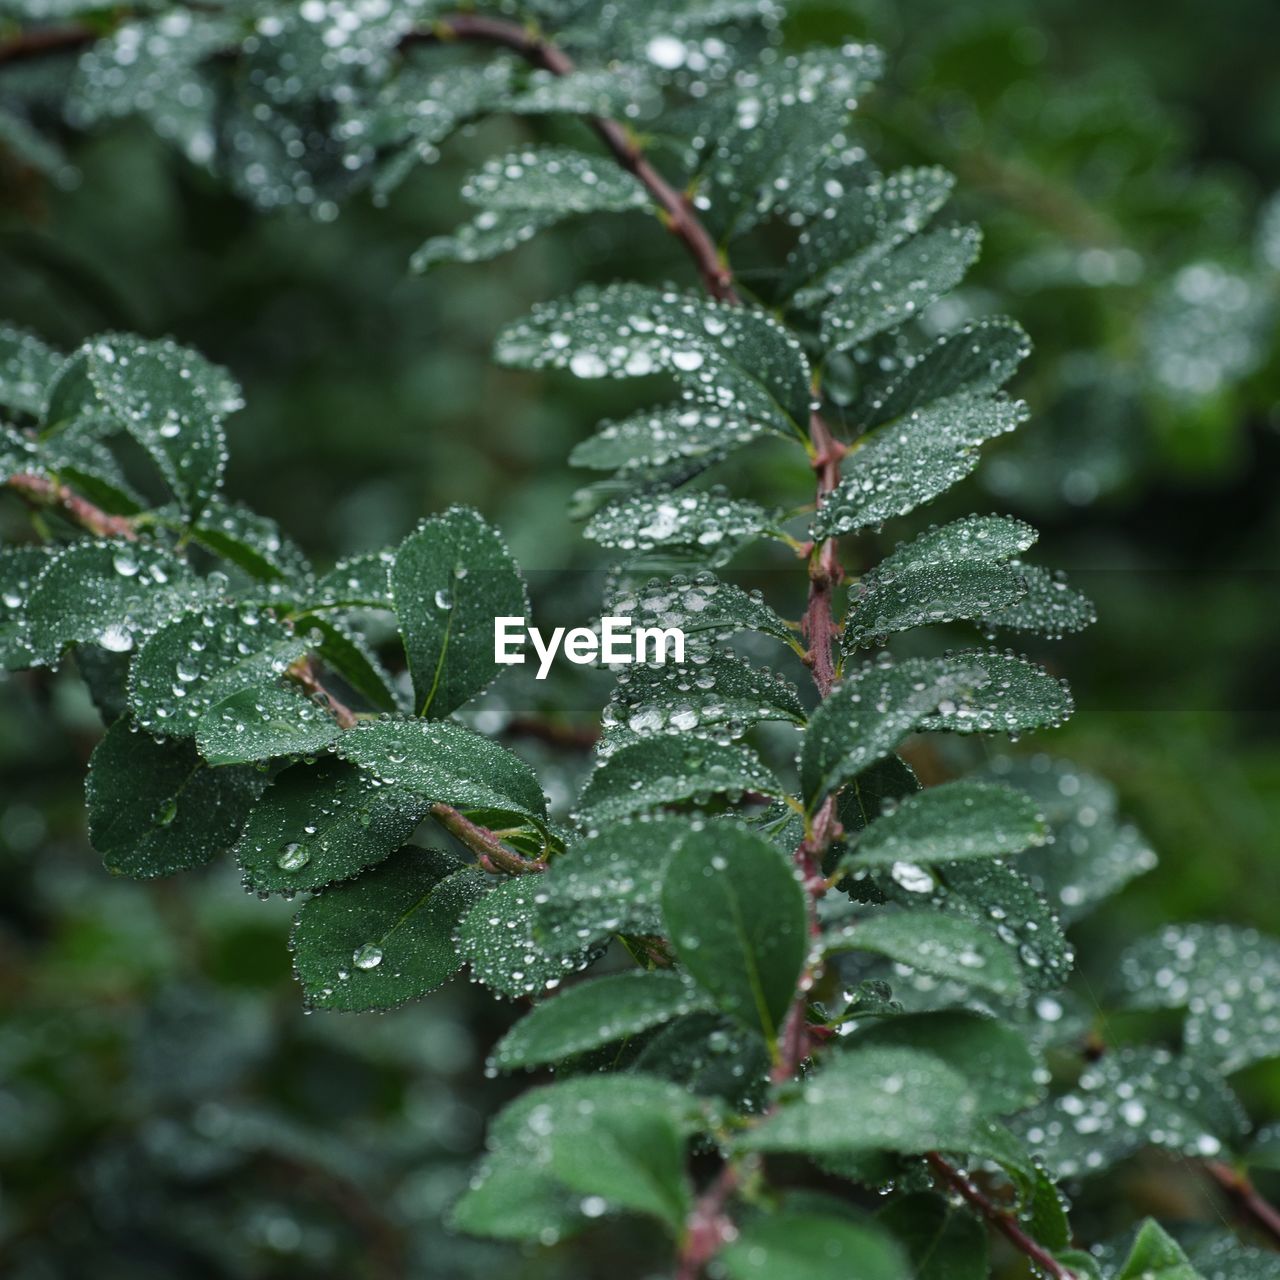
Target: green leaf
{"type": "Point", "coordinates": [949, 822]}
{"type": "Point", "coordinates": [385, 937]}
{"type": "Point", "coordinates": [445, 763]}
{"type": "Point", "coordinates": [1156, 1256]}
{"type": "Point", "coordinates": [262, 722]}
{"type": "Point", "coordinates": [250, 541]}
{"type": "Point", "coordinates": [981, 356]}
{"type": "Point", "coordinates": [1228, 980]}
{"type": "Point", "coordinates": [156, 808]}
{"type": "Point", "coordinates": [978, 539]}
{"type": "Point", "coordinates": [702, 606]}
{"type": "Point", "coordinates": [911, 461]}
{"type": "Point", "coordinates": [714, 694]}
{"type": "Point", "coordinates": [488, 235]}
{"type": "Point", "coordinates": [501, 940]}
{"type": "Point", "coordinates": [616, 90]}
{"type": "Point", "coordinates": [617, 1139]}
{"type": "Point", "coordinates": [1018, 696]}
{"type": "Point", "coordinates": [19, 568]}
{"type": "Point", "coordinates": [870, 713]}
{"type": "Point", "coordinates": [203, 657]}
{"type": "Point", "coordinates": [990, 1054]}
{"type": "Point", "coordinates": [344, 650]}
{"type": "Point", "coordinates": [322, 823]}
{"type": "Point", "coordinates": [171, 400]}
{"type": "Point", "coordinates": [1131, 1098]}
{"type": "Point", "coordinates": [711, 1056]}
{"type": "Point", "coordinates": [879, 291]}
{"type": "Point", "coordinates": [657, 437]}
{"type": "Point", "coordinates": [878, 1099]}
{"type": "Point", "coordinates": [944, 1242]}
{"type": "Point", "coordinates": [594, 1013]}
{"type": "Point", "coordinates": [811, 1246]}
{"type": "Point", "coordinates": [735, 912]}
{"type": "Point", "coordinates": [877, 788]}
{"type": "Point", "coordinates": [705, 526]}
{"type": "Point", "coordinates": [27, 366]}
{"type": "Point", "coordinates": [656, 772]}
{"type": "Point", "coordinates": [112, 594]}
{"type": "Point", "coordinates": [360, 582]}
{"type": "Point", "coordinates": [1049, 605]}
{"type": "Point", "coordinates": [451, 578]}
{"type": "Point", "coordinates": [723, 356]}
{"type": "Point", "coordinates": [555, 180]}
{"type": "Point", "coordinates": [610, 882]}
{"type": "Point", "coordinates": [931, 942]}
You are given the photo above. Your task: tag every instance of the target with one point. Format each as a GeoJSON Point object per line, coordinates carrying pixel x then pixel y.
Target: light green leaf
{"type": "Point", "coordinates": [27, 366]}
{"type": "Point", "coordinates": [445, 763]}
{"type": "Point", "coordinates": [111, 594]}
{"type": "Point", "coordinates": [810, 1246]}
{"type": "Point", "coordinates": [1228, 980]}
{"type": "Point", "coordinates": [451, 578]}
{"type": "Point", "coordinates": [321, 823]}
{"type": "Point", "coordinates": [947, 946]}
{"type": "Point", "coordinates": [594, 1013]}
{"type": "Point", "coordinates": [735, 912]}
{"type": "Point", "coordinates": [156, 808]}
{"type": "Point", "coordinates": [871, 712]}
{"type": "Point", "coordinates": [1017, 696]}
{"type": "Point", "coordinates": [171, 400]}
{"type": "Point", "coordinates": [203, 657]}
{"type": "Point", "coordinates": [660, 771]}
{"type": "Point", "coordinates": [1156, 1256]}
{"type": "Point", "coordinates": [262, 722]}
{"type": "Point", "coordinates": [387, 936]}
{"type": "Point", "coordinates": [950, 822]}
{"type": "Point", "coordinates": [910, 461]}
{"type": "Point", "coordinates": [703, 525]}
{"type": "Point", "coordinates": [727, 357]}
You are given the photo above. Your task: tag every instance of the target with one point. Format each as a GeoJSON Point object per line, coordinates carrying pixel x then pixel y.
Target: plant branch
{"type": "Point", "coordinates": [41, 491]}
{"type": "Point", "coordinates": [304, 672]}
{"type": "Point", "coordinates": [491, 853]}
{"type": "Point", "coordinates": [34, 44]}
{"type": "Point", "coordinates": [1246, 1198]}
{"type": "Point", "coordinates": [1003, 1221]}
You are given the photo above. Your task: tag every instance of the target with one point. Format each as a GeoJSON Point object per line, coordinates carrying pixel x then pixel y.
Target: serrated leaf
{"type": "Point", "coordinates": [702, 606]}
{"type": "Point", "coordinates": [618, 1138]}
{"type": "Point", "coordinates": [990, 1054]}
{"type": "Point", "coordinates": [719, 695]}
{"type": "Point", "coordinates": [1048, 605]}
{"type": "Point", "coordinates": [735, 912]}
{"type": "Point", "coordinates": [864, 798]}
{"type": "Point", "coordinates": [171, 400]}
{"type": "Point", "coordinates": [359, 582]}
{"type": "Point", "coordinates": [19, 568]}
{"type": "Point", "coordinates": [156, 808]}
{"type": "Point", "coordinates": [979, 357]}
{"type": "Point", "coordinates": [111, 594]}
{"type": "Point", "coordinates": [595, 1013]}
{"type": "Point", "coordinates": [611, 882]}
{"type": "Point", "coordinates": [451, 578]}
{"type": "Point", "coordinates": [250, 541]}
{"type": "Point", "coordinates": [950, 822]}
{"type": "Point", "coordinates": [199, 659]}
{"type": "Point", "coordinates": [385, 937]}
{"type": "Point", "coordinates": [1131, 1098]}
{"type": "Point", "coordinates": [263, 722]}
{"type": "Point", "coordinates": [322, 823]}
{"type": "Point", "coordinates": [888, 1099]}
{"type": "Point", "coordinates": [944, 1242]}
{"type": "Point", "coordinates": [1228, 980]}
{"type": "Point", "coordinates": [726, 357]}
{"type": "Point", "coordinates": [657, 437]}
{"type": "Point", "coordinates": [972, 539]}
{"type": "Point", "coordinates": [870, 713]}
{"type": "Point", "coordinates": [616, 90]}
{"type": "Point", "coordinates": [1156, 1256]}
{"type": "Point", "coordinates": [794, 1245]}
{"type": "Point", "coordinates": [875, 292]}
{"type": "Point", "coordinates": [703, 525]}
{"type": "Point", "coordinates": [445, 763]}
{"type": "Point", "coordinates": [27, 366]}
{"type": "Point", "coordinates": [661, 771]}
{"type": "Point", "coordinates": [930, 942]}
{"type": "Point", "coordinates": [910, 461]}
{"type": "Point", "coordinates": [1018, 696]}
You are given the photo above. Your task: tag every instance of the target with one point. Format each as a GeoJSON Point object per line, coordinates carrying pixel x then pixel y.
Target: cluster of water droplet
{"type": "Point", "coordinates": [708, 521]}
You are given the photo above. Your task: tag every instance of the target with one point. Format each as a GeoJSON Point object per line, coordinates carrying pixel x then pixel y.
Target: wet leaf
{"type": "Point", "coordinates": [1048, 606]}
{"type": "Point", "coordinates": [705, 526]}
{"type": "Point", "coordinates": [944, 1241]}
{"type": "Point", "coordinates": [794, 1245]}
{"type": "Point", "coordinates": [27, 366]}
{"type": "Point", "coordinates": [701, 605]}
{"type": "Point", "coordinates": [1017, 696]}
{"type": "Point", "coordinates": [262, 722]}
{"type": "Point", "coordinates": [1156, 1256]}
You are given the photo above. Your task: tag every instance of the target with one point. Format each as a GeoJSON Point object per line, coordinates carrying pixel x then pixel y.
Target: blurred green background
{"type": "Point", "coordinates": [166, 1109]}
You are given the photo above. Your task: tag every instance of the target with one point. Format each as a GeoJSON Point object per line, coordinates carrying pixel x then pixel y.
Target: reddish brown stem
{"type": "Point", "coordinates": [41, 491]}
{"type": "Point", "coordinates": [1244, 1195]}
{"type": "Point", "coordinates": [34, 44]}
{"type": "Point", "coordinates": [708, 1226]}
{"type": "Point", "coordinates": [304, 672]}
{"type": "Point", "coordinates": [491, 853]}
{"type": "Point", "coordinates": [1003, 1221]}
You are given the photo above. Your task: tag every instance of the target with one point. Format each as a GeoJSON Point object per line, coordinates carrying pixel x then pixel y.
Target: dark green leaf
{"type": "Point", "coordinates": [703, 526]}
{"type": "Point", "coordinates": [27, 366]}
{"type": "Point", "coordinates": [810, 1246]}
{"type": "Point", "coordinates": [262, 722]}
{"type": "Point", "coordinates": [944, 1242]}
{"type": "Point", "coordinates": [1017, 696]}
